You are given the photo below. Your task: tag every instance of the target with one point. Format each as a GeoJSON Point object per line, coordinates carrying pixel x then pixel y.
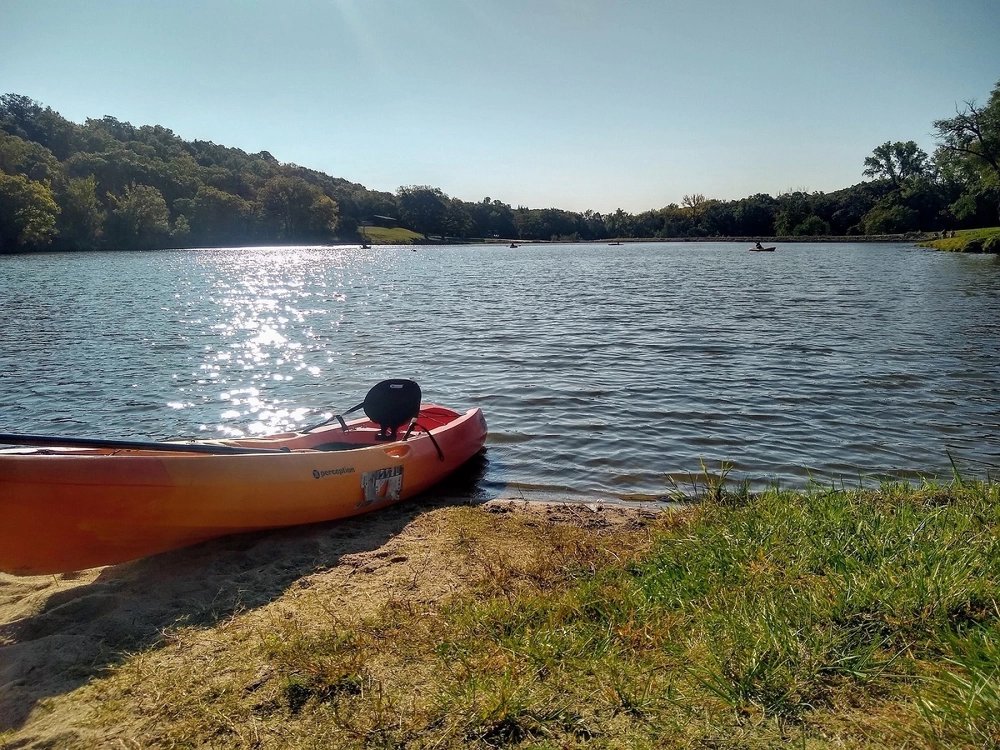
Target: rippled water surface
{"type": "Point", "coordinates": [602, 370]}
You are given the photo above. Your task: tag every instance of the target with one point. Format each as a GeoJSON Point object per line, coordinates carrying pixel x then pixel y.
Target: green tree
{"type": "Point", "coordinates": [926, 198]}
{"type": "Point", "coordinates": [674, 221]}
{"type": "Point", "coordinates": [28, 213]}
{"type": "Point", "coordinates": [696, 205]}
{"type": "Point", "coordinates": [811, 226]}
{"type": "Point", "coordinates": [549, 224]}
{"type": "Point", "coordinates": [755, 216]}
{"type": "Point", "coordinates": [890, 217]}
{"type": "Point", "coordinates": [18, 156]}
{"type": "Point", "coordinates": [719, 219]}
{"type": "Point", "coordinates": [139, 219]}
{"type": "Point", "coordinates": [845, 209]}
{"type": "Point", "coordinates": [115, 170]}
{"type": "Point", "coordinates": [594, 227]}
{"type": "Point", "coordinates": [619, 224]}
{"type": "Point", "coordinates": [295, 210]}
{"type": "Point", "coordinates": [17, 115]}
{"type": "Point", "coordinates": [646, 224]}
{"type": "Point", "coordinates": [181, 232]}
{"type": "Point", "coordinates": [792, 210]}
{"type": "Point", "coordinates": [323, 216]}
{"type": "Point", "coordinates": [112, 127]}
{"type": "Point", "coordinates": [219, 217]}
{"type": "Point", "coordinates": [82, 218]}
{"type": "Point", "coordinates": [458, 219]}
{"type": "Point", "coordinates": [422, 208]}
{"type": "Point", "coordinates": [914, 200]}
{"type": "Point", "coordinates": [972, 138]}
{"type": "Point", "coordinates": [493, 218]}
{"type": "Point", "coordinates": [897, 162]}
{"type": "Point", "coordinates": [27, 119]}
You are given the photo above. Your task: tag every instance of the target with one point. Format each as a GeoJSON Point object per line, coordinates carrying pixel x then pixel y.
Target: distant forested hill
{"type": "Point", "coordinates": [110, 184]}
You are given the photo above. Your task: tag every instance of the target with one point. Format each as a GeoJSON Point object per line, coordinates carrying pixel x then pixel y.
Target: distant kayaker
{"type": "Point", "coordinates": [759, 246]}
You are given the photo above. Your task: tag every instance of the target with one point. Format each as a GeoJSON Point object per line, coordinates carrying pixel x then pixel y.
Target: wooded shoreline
{"type": "Point", "coordinates": [105, 184]}
{"type": "Point", "coordinates": [910, 238]}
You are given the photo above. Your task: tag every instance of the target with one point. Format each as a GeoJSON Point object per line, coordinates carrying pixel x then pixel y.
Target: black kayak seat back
{"type": "Point", "coordinates": [391, 404]}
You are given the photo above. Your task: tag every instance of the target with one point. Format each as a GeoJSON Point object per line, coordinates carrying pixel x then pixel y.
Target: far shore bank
{"type": "Point", "coordinates": [970, 240]}
{"type": "Point", "coordinates": [962, 240]}
{"type": "Point", "coordinates": [785, 239]}
{"type": "Point", "coordinates": [912, 237]}
{"type": "Point", "coordinates": [908, 238]}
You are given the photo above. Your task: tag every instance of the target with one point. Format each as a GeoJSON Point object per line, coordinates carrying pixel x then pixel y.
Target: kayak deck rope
{"type": "Point", "coordinates": [413, 424]}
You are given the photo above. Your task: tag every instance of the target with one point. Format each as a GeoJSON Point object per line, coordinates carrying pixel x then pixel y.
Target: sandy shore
{"type": "Point", "coordinates": [57, 633]}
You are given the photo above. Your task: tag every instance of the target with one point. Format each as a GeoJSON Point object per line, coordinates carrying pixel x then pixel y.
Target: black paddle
{"type": "Point", "coordinates": [49, 441]}
{"type": "Point", "coordinates": [391, 404]}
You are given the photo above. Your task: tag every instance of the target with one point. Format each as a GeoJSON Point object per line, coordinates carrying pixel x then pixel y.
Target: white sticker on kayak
{"type": "Point", "coordinates": [382, 485]}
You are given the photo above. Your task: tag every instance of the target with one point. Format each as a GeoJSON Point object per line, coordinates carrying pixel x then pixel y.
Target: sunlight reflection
{"type": "Point", "coordinates": [276, 325]}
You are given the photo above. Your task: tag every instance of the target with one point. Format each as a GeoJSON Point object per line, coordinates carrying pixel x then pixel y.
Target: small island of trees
{"type": "Point", "coordinates": [108, 184]}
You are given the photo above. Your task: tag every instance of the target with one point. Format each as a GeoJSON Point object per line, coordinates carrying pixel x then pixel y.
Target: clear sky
{"type": "Point", "coordinates": [572, 104]}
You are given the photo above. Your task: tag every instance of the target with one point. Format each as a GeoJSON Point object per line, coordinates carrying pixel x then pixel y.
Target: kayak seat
{"type": "Point", "coordinates": [391, 404]}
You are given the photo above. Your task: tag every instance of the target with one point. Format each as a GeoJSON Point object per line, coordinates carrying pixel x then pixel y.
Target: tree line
{"type": "Point", "coordinates": [110, 184]}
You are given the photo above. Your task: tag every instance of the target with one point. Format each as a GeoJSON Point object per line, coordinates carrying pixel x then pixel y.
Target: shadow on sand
{"type": "Point", "coordinates": [83, 629]}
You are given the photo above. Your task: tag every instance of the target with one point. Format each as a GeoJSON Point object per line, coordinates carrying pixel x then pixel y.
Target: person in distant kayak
{"type": "Point", "coordinates": [759, 246]}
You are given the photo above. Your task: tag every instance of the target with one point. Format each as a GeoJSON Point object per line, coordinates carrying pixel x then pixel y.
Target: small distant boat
{"type": "Point", "coordinates": [614, 243]}
{"type": "Point", "coordinates": [74, 503]}
{"type": "Point", "coordinates": [762, 249]}
{"type": "Point", "coordinates": [365, 246]}
{"type": "Point", "coordinates": [512, 244]}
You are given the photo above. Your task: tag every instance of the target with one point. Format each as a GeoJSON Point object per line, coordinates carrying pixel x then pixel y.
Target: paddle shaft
{"type": "Point", "coordinates": [50, 441]}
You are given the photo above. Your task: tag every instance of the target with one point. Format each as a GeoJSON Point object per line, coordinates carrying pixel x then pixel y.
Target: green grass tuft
{"type": "Point", "coordinates": [968, 240]}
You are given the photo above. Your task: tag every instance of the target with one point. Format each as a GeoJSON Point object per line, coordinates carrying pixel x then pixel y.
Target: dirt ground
{"type": "Point", "coordinates": [60, 632]}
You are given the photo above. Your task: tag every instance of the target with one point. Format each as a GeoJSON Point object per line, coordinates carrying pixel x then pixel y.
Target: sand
{"type": "Point", "coordinates": [59, 632]}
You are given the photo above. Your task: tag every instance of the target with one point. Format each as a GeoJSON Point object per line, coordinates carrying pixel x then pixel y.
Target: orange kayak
{"type": "Point", "coordinates": [69, 508]}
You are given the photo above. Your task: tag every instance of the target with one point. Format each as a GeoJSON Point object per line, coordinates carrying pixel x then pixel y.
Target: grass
{"type": "Point", "coordinates": [962, 239]}
{"type": "Point", "coordinates": [390, 236]}
{"type": "Point", "coordinates": [822, 619]}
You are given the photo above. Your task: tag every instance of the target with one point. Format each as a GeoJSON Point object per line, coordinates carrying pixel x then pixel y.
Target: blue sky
{"type": "Point", "coordinates": [572, 104]}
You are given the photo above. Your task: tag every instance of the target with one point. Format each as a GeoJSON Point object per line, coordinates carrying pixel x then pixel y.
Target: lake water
{"type": "Point", "coordinates": [603, 371]}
